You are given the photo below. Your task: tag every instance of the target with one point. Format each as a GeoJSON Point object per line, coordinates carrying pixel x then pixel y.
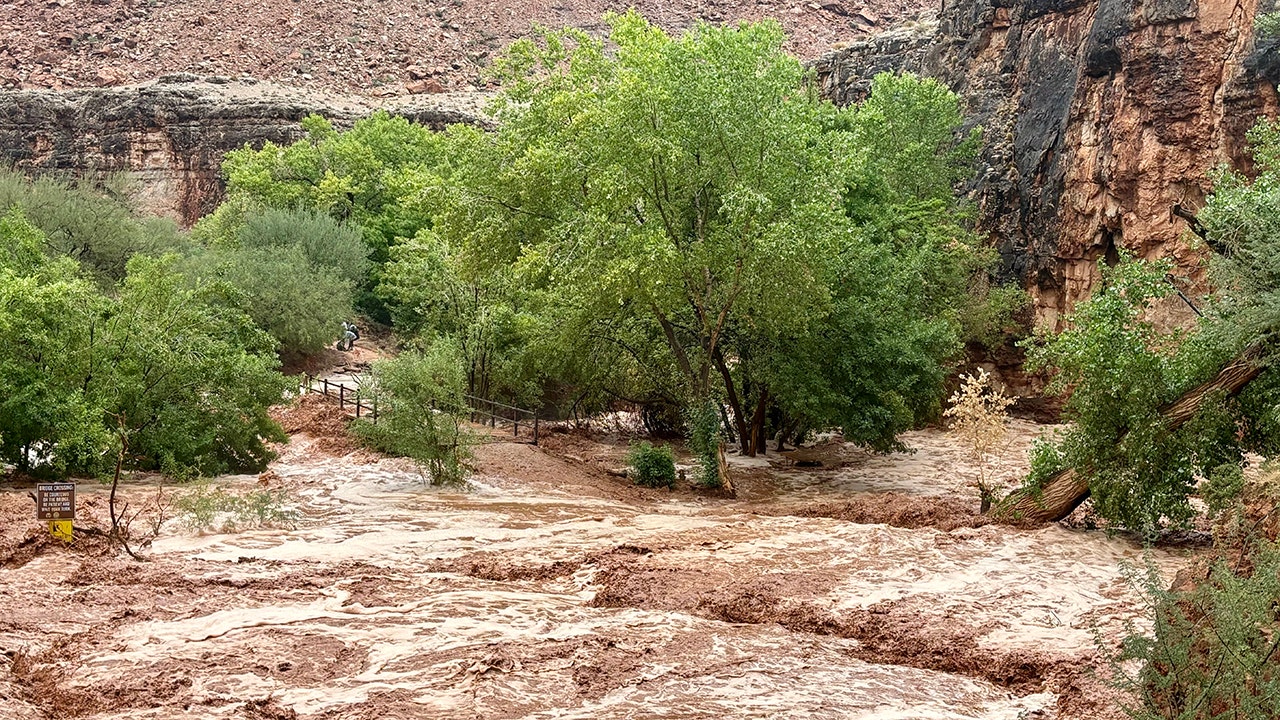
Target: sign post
{"type": "Point", "coordinates": [56, 502]}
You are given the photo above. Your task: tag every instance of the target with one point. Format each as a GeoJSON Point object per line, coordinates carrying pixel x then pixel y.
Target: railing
{"type": "Point", "coordinates": [481, 411]}
{"type": "Point", "coordinates": [347, 396]}
{"type": "Point", "coordinates": [498, 412]}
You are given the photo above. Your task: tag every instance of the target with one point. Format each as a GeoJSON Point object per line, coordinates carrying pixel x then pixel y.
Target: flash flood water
{"type": "Point", "coordinates": [549, 589]}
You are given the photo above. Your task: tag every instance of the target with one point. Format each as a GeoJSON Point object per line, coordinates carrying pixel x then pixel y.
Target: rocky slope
{"type": "Point", "coordinates": [1103, 120]}
{"type": "Point", "coordinates": [382, 48]}
{"type": "Point", "coordinates": [238, 71]}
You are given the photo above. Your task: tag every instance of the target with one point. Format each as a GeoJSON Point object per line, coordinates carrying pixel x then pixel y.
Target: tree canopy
{"type": "Point", "coordinates": [154, 360]}
{"type": "Point", "coordinates": [684, 220]}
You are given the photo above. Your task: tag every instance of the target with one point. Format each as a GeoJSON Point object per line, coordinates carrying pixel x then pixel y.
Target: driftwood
{"type": "Point", "coordinates": [1063, 491]}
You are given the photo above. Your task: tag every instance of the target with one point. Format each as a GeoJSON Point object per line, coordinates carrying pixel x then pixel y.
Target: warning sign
{"type": "Point", "coordinates": [56, 501]}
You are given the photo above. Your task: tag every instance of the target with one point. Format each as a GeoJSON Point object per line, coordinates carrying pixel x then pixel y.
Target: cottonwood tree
{"type": "Point", "coordinates": [684, 203]}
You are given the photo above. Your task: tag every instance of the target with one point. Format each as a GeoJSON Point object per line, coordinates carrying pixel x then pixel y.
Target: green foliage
{"type": "Point", "coordinates": [905, 140]}
{"type": "Point", "coordinates": [1121, 371]}
{"type": "Point", "coordinates": [47, 418]}
{"type": "Point", "coordinates": [190, 380]}
{"type": "Point", "coordinates": [323, 242]}
{"type": "Point", "coordinates": [1267, 25]}
{"type": "Point", "coordinates": [676, 218]}
{"type": "Point", "coordinates": [371, 176]}
{"type": "Point", "coordinates": [92, 225]}
{"type": "Point", "coordinates": [703, 425]}
{"type": "Point", "coordinates": [206, 506]}
{"type": "Point", "coordinates": [671, 221]}
{"type": "Point", "coordinates": [1241, 219]}
{"type": "Point", "coordinates": [420, 413]}
{"type": "Point", "coordinates": [652, 466]}
{"type": "Point", "coordinates": [1212, 652]}
{"type": "Point", "coordinates": [433, 298]}
{"type": "Point", "coordinates": [293, 271]}
{"type": "Point", "coordinates": [301, 305]}
{"type": "Point", "coordinates": [156, 363]}
{"type": "Point", "coordinates": [996, 314]}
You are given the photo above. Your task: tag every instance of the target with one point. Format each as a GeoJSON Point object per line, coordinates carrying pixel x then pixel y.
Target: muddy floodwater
{"type": "Point", "coordinates": [553, 590]}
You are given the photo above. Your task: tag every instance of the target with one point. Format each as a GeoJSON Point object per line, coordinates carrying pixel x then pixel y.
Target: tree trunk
{"type": "Point", "coordinates": [758, 437]}
{"type": "Point", "coordinates": [728, 426]}
{"type": "Point", "coordinates": [723, 465]}
{"type": "Point", "coordinates": [1063, 491]}
{"type": "Point", "coordinates": [739, 420]}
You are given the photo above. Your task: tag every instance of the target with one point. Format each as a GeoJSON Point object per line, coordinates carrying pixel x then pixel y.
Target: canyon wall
{"type": "Point", "coordinates": [1102, 119]}
{"type": "Point", "coordinates": [170, 134]}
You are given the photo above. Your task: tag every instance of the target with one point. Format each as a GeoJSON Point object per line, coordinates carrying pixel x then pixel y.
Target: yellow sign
{"type": "Point", "coordinates": [60, 529]}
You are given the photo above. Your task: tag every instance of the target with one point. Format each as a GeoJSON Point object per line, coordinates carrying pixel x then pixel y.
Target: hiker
{"type": "Point", "coordinates": [349, 336]}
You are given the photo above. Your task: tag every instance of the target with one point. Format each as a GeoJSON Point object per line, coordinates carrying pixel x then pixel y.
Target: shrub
{"type": "Point", "coordinates": [205, 506]}
{"type": "Point", "coordinates": [300, 304]}
{"type": "Point", "coordinates": [420, 409]}
{"type": "Point", "coordinates": [1213, 650]}
{"type": "Point", "coordinates": [979, 415]}
{"type": "Point", "coordinates": [324, 242]}
{"type": "Point", "coordinates": [704, 442]}
{"type": "Point", "coordinates": [653, 466]}
{"type": "Point", "coordinates": [89, 222]}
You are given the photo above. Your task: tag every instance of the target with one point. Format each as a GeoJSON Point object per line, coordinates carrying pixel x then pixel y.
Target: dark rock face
{"type": "Point", "coordinates": [1098, 116]}
{"type": "Point", "coordinates": [171, 135]}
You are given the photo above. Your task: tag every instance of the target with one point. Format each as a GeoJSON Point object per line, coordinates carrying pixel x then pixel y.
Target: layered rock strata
{"type": "Point", "coordinates": [1103, 120]}
{"type": "Point", "coordinates": [170, 134]}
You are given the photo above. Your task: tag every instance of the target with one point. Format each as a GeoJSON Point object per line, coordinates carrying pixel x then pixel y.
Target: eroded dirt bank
{"type": "Point", "coordinates": [550, 590]}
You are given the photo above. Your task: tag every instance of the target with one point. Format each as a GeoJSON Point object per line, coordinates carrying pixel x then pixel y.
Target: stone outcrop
{"type": "Point", "coordinates": [170, 135]}
{"type": "Point", "coordinates": [1100, 118]}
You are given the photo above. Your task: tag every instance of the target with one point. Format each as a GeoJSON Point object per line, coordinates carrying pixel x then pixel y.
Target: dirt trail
{"type": "Point", "coordinates": [549, 590]}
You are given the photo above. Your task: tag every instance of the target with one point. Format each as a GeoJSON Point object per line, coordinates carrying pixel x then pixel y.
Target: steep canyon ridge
{"type": "Point", "coordinates": [1101, 119]}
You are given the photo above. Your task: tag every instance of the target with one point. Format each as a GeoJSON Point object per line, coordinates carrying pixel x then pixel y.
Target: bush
{"type": "Point", "coordinates": [704, 442]}
{"type": "Point", "coordinates": [653, 466]}
{"type": "Point", "coordinates": [300, 304]}
{"type": "Point", "coordinates": [420, 409]}
{"type": "Point", "coordinates": [324, 242]}
{"type": "Point", "coordinates": [1213, 651]}
{"type": "Point", "coordinates": [157, 364]}
{"type": "Point", "coordinates": [979, 415]}
{"type": "Point", "coordinates": [207, 506]}
{"type": "Point", "coordinates": [92, 224]}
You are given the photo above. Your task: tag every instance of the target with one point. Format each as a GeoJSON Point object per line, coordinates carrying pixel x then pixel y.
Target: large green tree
{"type": "Point", "coordinates": [156, 363]}
{"type": "Point", "coordinates": [690, 209]}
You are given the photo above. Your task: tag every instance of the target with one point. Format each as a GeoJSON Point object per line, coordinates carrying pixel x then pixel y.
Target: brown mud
{"type": "Point", "coordinates": [859, 589]}
{"type": "Point", "coordinates": [900, 510]}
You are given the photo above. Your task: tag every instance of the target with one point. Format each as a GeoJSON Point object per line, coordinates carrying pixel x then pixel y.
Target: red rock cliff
{"type": "Point", "coordinates": [1100, 118]}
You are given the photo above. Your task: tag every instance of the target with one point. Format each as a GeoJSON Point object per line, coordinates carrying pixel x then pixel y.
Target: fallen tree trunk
{"type": "Point", "coordinates": [1063, 491]}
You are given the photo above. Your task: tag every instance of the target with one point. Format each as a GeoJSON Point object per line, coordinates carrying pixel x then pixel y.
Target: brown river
{"type": "Point", "coordinates": [549, 589]}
